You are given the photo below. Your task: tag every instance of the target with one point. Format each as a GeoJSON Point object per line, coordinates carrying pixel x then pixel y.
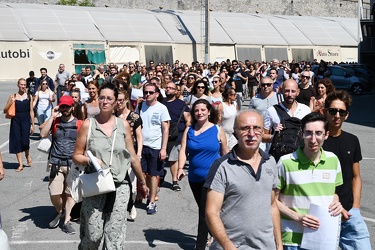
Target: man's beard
{"type": "Point", "coordinates": [169, 96]}
{"type": "Point", "coordinates": [69, 113]}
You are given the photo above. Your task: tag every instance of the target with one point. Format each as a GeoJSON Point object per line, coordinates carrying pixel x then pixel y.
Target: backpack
{"type": "Point", "coordinates": [290, 138]}
{"type": "Point", "coordinates": [56, 124]}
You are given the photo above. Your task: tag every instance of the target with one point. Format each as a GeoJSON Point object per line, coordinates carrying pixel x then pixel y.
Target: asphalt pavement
{"type": "Point", "coordinates": [26, 209]}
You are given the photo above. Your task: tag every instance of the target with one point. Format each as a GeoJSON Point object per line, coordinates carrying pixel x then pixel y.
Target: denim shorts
{"type": "Point", "coordinates": [354, 233]}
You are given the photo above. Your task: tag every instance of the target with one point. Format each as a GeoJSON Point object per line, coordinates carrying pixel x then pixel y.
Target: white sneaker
{"type": "Point", "coordinates": [133, 214]}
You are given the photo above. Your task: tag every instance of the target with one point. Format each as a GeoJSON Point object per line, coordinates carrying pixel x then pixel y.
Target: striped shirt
{"type": "Point", "coordinates": [302, 182]}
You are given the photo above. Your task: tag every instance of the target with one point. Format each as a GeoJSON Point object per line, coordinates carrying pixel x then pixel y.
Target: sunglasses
{"type": "Point", "coordinates": [148, 92]}
{"type": "Point", "coordinates": [266, 85]}
{"type": "Point", "coordinates": [333, 111]}
{"type": "Point", "coordinates": [201, 87]}
{"type": "Point", "coordinates": [215, 81]}
{"type": "Point", "coordinates": [307, 77]}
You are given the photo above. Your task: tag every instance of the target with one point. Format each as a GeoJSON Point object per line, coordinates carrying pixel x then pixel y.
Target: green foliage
{"type": "Point", "coordinates": [76, 2]}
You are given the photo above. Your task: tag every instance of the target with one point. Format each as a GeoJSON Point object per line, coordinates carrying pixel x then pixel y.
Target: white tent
{"type": "Point", "coordinates": [34, 36]}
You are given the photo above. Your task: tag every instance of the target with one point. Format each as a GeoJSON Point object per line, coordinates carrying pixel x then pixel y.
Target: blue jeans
{"type": "Point", "coordinates": [44, 114]}
{"type": "Point", "coordinates": [293, 248]}
{"type": "Point", "coordinates": [354, 233]}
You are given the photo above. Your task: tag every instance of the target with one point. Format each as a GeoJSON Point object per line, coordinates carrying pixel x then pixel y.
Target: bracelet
{"type": "Point", "coordinates": [142, 182]}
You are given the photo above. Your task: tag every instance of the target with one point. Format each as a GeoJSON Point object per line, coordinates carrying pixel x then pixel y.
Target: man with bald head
{"type": "Point", "coordinates": [277, 115]}
{"type": "Point", "coordinates": [241, 209]}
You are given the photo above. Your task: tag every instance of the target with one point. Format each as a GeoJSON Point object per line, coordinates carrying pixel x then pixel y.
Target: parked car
{"type": "Point", "coordinates": [361, 70]}
{"type": "Point", "coordinates": [343, 78]}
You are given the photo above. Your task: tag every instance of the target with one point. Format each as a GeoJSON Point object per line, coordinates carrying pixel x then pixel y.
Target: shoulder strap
{"type": "Point", "coordinates": [179, 119]}
{"type": "Point", "coordinates": [113, 144]}
{"type": "Point", "coordinates": [281, 112]}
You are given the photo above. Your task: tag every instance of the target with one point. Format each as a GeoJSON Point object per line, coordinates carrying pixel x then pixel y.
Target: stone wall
{"type": "Point", "coordinates": [328, 8]}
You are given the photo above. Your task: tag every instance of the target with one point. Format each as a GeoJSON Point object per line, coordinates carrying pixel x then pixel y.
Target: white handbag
{"type": "Point", "coordinates": [45, 144]}
{"type": "Point", "coordinates": [96, 183]}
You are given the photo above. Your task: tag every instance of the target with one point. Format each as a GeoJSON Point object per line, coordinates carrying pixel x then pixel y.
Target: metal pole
{"type": "Point", "coordinates": [207, 31]}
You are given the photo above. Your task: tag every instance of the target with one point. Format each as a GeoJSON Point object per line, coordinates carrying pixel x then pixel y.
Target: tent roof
{"type": "Point", "coordinates": [23, 22]}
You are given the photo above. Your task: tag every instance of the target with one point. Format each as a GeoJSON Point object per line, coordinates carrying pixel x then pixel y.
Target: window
{"type": "Point", "coordinates": [88, 55]}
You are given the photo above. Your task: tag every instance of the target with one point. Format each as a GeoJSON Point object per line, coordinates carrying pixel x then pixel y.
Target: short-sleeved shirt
{"type": "Point", "coordinates": [175, 108]}
{"type": "Point", "coordinates": [135, 79]}
{"type": "Point", "coordinates": [305, 95]}
{"type": "Point", "coordinates": [302, 182]}
{"type": "Point", "coordinates": [261, 104]}
{"type": "Point", "coordinates": [272, 119]}
{"type": "Point", "coordinates": [246, 210]}
{"type": "Point", "coordinates": [62, 77]}
{"type": "Point", "coordinates": [134, 121]}
{"type": "Point", "coordinates": [152, 118]}
{"type": "Point", "coordinates": [347, 148]}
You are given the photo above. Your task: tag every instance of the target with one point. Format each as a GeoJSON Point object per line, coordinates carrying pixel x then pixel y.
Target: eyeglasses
{"type": "Point", "coordinates": [307, 77]}
{"type": "Point", "coordinates": [103, 98]}
{"type": "Point", "coordinates": [247, 129]}
{"type": "Point", "coordinates": [148, 92]}
{"type": "Point", "coordinates": [310, 134]}
{"type": "Point", "coordinates": [333, 111]}
{"type": "Point", "coordinates": [266, 85]}
{"type": "Point", "coordinates": [201, 87]}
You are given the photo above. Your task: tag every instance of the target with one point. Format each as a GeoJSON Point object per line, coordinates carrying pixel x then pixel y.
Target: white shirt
{"type": "Point", "coordinates": [272, 119]}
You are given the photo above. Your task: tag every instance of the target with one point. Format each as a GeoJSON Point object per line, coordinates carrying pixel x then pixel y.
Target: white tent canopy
{"type": "Point", "coordinates": [22, 22]}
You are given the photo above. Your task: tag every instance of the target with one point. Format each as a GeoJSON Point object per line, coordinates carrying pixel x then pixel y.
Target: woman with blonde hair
{"type": "Point", "coordinates": [22, 124]}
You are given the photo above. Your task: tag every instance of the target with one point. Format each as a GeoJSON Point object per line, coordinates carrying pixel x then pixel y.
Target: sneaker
{"type": "Point", "coordinates": [67, 228]}
{"type": "Point", "coordinates": [176, 187]}
{"type": "Point", "coordinates": [152, 208]}
{"type": "Point", "coordinates": [56, 220]}
{"type": "Point", "coordinates": [133, 214]}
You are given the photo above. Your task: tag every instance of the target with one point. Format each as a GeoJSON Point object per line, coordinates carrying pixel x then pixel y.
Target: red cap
{"type": "Point", "coordinates": [66, 100]}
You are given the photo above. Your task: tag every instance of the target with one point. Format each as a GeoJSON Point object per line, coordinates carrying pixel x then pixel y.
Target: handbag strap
{"type": "Point", "coordinates": [88, 133]}
{"type": "Point", "coordinates": [113, 144]}
{"type": "Point", "coordinates": [179, 119]}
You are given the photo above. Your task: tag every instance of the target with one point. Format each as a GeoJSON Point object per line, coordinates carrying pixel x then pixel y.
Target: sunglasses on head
{"type": "Point", "coordinates": [333, 111]}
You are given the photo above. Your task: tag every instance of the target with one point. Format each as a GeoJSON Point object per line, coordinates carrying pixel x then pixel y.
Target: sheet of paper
{"type": "Point", "coordinates": [136, 93]}
{"type": "Point", "coordinates": [327, 235]}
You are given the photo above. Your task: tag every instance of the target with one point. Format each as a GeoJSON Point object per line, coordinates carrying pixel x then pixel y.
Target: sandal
{"type": "Point", "coordinates": [29, 161]}
{"type": "Point", "coordinates": [19, 169]}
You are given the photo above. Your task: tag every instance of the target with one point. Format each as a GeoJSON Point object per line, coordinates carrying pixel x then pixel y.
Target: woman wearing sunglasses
{"type": "Point", "coordinates": [199, 91]}
{"type": "Point", "coordinates": [43, 100]}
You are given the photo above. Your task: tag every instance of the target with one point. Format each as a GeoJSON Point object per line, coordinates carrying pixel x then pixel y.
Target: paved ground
{"type": "Point", "coordinates": [26, 209]}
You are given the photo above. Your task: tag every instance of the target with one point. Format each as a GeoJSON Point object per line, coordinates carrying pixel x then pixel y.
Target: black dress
{"type": "Point", "coordinates": [19, 135]}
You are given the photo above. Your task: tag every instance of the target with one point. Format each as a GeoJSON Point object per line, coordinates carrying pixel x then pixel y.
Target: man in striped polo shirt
{"type": "Point", "coordinates": [307, 176]}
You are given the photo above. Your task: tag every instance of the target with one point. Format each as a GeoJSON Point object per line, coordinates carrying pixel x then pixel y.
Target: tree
{"type": "Point", "coordinates": [76, 2]}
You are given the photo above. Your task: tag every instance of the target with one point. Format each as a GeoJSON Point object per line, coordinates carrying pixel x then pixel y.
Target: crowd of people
{"type": "Point", "coordinates": [137, 118]}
